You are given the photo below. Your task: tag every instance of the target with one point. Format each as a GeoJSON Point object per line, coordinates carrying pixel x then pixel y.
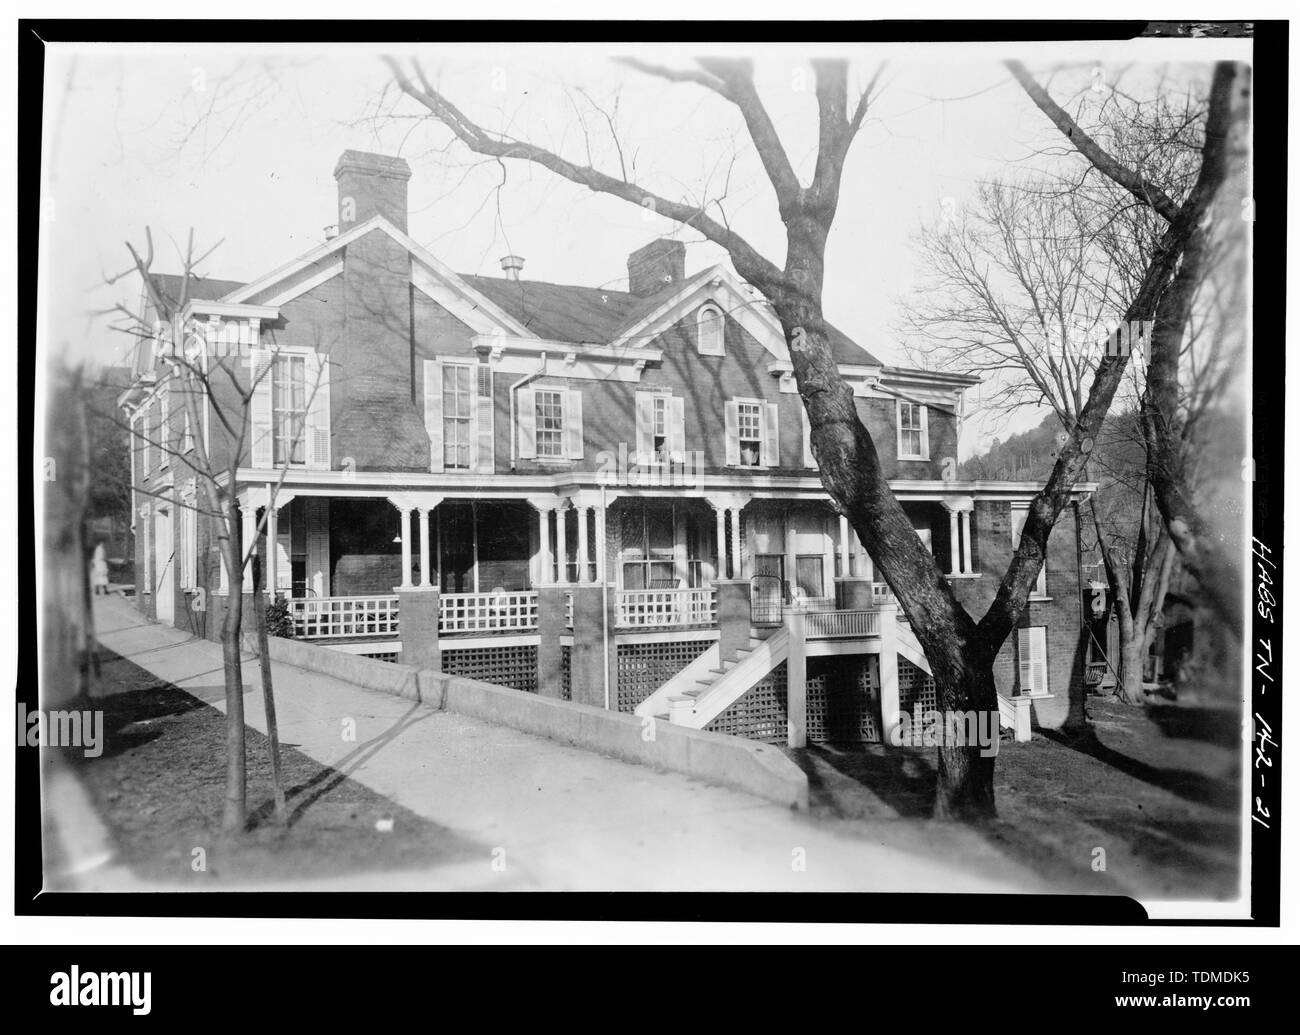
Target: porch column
{"type": "Point", "coordinates": [844, 548]}
{"type": "Point", "coordinates": [953, 525]}
{"type": "Point", "coordinates": [967, 566]}
{"type": "Point", "coordinates": [796, 710]}
{"type": "Point", "coordinates": [544, 507]}
{"type": "Point", "coordinates": [721, 513]}
{"type": "Point", "coordinates": [737, 554]}
{"type": "Point", "coordinates": [269, 562]}
{"type": "Point", "coordinates": [562, 545]}
{"type": "Point", "coordinates": [248, 516]}
{"type": "Point", "coordinates": [404, 507]}
{"type": "Point", "coordinates": [584, 567]}
{"type": "Point", "coordinates": [600, 513]}
{"type": "Point", "coordinates": [426, 515]}
{"type": "Point", "coordinates": [791, 557]}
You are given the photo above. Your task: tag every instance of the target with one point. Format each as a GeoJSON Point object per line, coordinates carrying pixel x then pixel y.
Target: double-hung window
{"type": "Point", "coordinates": [752, 433]}
{"type": "Point", "coordinates": [289, 409]}
{"type": "Point", "coordinates": [659, 428]}
{"type": "Point", "coordinates": [550, 423]}
{"type": "Point", "coordinates": [913, 432]}
{"type": "Point", "coordinates": [457, 416]}
{"type": "Point", "coordinates": [750, 428]}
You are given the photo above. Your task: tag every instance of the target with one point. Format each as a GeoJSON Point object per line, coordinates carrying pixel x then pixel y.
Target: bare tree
{"type": "Point", "coordinates": [204, 374]}
{"type": "Point", "coordinates": [1023, 287]}
{"type": "Point", "coordinates": [961, 651]}
{"type": "Point", "coordinates": [1017, 290]}
{"type": "Point", "coordinates": [1225, 133]}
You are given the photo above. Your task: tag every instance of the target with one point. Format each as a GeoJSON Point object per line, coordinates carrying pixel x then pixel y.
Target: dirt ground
{"type": "Point", "coordinates": [1156, 788]}
{"type": "Point", "coordinates": [159, 786]}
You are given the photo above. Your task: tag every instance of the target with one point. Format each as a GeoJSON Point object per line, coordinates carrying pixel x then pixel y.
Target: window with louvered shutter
{"type": "Point", "coordinates": [485, 458]}
{"type": "Point", "coordinates": [1031, 649]}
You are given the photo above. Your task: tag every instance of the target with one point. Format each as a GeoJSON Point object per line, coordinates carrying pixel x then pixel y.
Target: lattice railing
{"type": "Point", "coordinates": [639, 608]}
{"type": "Point", "coordinates": [487, 612]}
{"type": "Point", "coordinates": [320, 618]}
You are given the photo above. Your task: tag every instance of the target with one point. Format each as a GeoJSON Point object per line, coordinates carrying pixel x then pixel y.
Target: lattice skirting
{"type": "Point", "coordinates": [843, 705]}
{"type": "Point", "coordinates": [566, 673]}
{"type": "Point", "coordinates": [644, 667]}
{"type": "Point", "coordinates": [383, 656]}
{"type": "Point", "coordinates": [844, 702]}
{"type": "Point", "coordinates": [915, 688]}
{"type": "Point", "coordinates": [760, 714]}
{"type": "Point", "coordinates": [506, 666]}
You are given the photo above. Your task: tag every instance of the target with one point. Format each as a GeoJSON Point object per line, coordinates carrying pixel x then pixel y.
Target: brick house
{"type": "Point", "coordinates": [605, 496]}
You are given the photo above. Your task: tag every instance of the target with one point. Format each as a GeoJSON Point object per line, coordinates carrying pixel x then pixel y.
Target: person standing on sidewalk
{"type": "Point", "coordinates": [99, 570]}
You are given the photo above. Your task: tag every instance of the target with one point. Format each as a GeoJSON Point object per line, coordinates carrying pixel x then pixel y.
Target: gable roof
{"type": "Point", "coordinates": [207, 289]}
{"type": "Point", "coordinates": [555, 312]}
{"type": "Point", "coordinates": [567, 312]}
{"type": "Point", "coordinates": [427, 274]}
{"type": "Point", "coordinates": [848, 352]}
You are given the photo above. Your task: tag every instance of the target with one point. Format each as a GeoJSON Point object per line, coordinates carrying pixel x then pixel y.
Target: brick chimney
{"type": "Point", "coordinates": [657, 265]}
{"type": "Point", "coordinates": [375, 421]}
{"type": "Point", "coordinates": [371, 184]}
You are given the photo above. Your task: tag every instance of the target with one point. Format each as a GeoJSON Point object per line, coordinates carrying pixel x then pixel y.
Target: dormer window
{"type": "Point", "coordinates": [709, 341]}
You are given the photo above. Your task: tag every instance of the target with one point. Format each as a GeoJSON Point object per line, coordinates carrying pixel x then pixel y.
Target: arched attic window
{"type": "Point", "coordinates": [709, 328]}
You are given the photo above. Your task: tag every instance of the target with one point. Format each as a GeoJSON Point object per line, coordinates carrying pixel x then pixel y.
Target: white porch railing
{"type": "Point", "coordinates": [830, 625]}
{"type": "Point", "coordinates": [487, 612]}
{"type": "Point", "coordinates": [639, 608]}
{"type": "Point", "coordinates": [319, 618]}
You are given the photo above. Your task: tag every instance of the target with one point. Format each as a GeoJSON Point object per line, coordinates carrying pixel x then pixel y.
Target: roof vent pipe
{"type": "Point", "coordinates": [512, 266]}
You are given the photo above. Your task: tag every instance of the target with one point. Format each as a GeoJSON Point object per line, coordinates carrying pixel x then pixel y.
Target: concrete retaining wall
{"type": "Point", "coordinates": [757, 769]}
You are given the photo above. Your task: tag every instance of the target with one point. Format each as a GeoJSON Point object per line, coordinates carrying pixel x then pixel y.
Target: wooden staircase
{"type": "Point", "coordinates": [702, 691]}
{"type": "Point", "coordinates": [705, 689]}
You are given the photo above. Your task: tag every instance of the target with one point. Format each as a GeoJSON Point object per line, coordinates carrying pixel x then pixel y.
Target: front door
{"type": "Point", "coordinates": [164, 599]}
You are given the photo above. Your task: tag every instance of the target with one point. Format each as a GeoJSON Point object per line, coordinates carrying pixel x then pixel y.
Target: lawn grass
{"type": "Point", "coordinates": [1157, 788]}
{"type": "Point", "coordinates": [159, 786]}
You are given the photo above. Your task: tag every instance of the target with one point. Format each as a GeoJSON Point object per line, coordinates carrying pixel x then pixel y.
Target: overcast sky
{"type": "Point", "coordinates": [122, 151]}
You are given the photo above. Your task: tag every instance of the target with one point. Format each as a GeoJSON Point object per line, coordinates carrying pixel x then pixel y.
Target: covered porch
{"type": "Point", "coordinates": [345, 562]}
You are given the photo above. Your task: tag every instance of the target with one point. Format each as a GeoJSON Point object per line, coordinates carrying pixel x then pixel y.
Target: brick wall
{"type": "Point", "coordinates": [1061, 613]}
{"type": "Point", "coordinates": [705, 383]}
{"type": "Point", "coordinates": [378, 330]}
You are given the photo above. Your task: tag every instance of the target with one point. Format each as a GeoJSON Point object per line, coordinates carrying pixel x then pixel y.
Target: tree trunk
{"type": "Point", "coordinates": [234, 814]}
{"type": "Point", "coordinates": [1133, 658]}
{"type": "Point", "coordinates": [965, 785]}
{"type": "Point", "coordinates": [850, 471]}
{"type": "Point", "coordinates": [268, 690]}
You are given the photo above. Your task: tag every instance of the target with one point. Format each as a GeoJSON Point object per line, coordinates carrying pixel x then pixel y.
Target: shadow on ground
{"type": "Point", "coordinates": [159, 785]}
{"type": "Point", "coordinates": [1158, 792]}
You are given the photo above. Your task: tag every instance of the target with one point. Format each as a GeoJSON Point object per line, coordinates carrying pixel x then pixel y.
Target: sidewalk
{"type": "Point", "coordinates": [566, 819]}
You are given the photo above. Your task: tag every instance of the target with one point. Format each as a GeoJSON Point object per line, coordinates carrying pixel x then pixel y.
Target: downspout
{"type": "Point", "coordinates": [541, 369]}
